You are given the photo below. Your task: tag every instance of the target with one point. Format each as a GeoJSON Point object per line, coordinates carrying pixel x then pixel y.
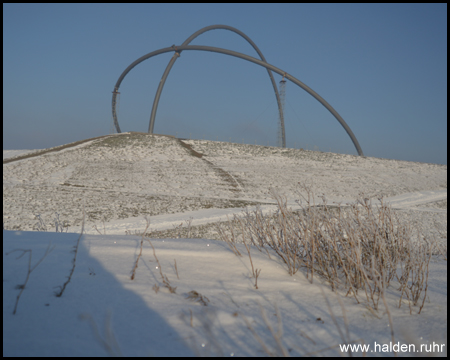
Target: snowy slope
{"type": "Point", "coordinates": [146, 323]}
{"type": "Point", "coordinates": [121, 180]}
{"type": "Point", "coordinates": [131, 175]}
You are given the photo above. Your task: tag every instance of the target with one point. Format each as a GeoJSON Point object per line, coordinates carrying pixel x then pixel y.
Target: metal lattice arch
{"type": "Point", "coordinates": [262, 62]}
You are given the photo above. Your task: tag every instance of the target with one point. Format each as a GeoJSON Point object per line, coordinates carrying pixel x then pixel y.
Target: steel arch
{"type": "Point", "coordinates": [245, 57]}
{"type": "Point", "coordinates": [177, 54]}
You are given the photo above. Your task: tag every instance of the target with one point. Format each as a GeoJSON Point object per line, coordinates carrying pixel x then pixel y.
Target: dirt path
{"type": "Point", "coordinates": [53, 149]}
{"type": "Point", "coordinates": [62, 147]}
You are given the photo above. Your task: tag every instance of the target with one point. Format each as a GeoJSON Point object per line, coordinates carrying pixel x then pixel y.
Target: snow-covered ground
{"type": "Point", "coordinates": [131, 175]}
{"type": "Point", "coordinates": [120, 180]}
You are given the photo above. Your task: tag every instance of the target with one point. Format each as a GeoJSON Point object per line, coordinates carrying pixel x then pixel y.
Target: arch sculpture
{"type": "Point", "coordinates": [187, 42]}
{"type": "Point", "coordinates": [241, 56]}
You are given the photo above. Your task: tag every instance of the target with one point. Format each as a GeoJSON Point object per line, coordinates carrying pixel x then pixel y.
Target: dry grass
{"type": "Point", "coordinates": [360, 248]}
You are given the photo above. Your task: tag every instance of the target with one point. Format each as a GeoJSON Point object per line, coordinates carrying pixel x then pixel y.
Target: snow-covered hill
{"type": "Point", "coordinates": [195, 296]}
{"type": "Point", "coordinates": [130, 175]}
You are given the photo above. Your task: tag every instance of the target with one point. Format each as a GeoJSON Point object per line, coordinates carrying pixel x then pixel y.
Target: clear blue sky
{"type": "Point", "coordinates": [383, 67]}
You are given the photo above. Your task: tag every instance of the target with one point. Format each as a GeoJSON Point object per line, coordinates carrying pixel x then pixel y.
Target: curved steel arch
{"type": "Point", "coordinates": [245, 57]}
{"type": "Point", "coordinates": [177, 54]}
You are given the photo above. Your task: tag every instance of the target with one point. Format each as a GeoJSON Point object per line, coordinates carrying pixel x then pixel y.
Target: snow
{"type": "Point", "coordinates": [147, 323]}
{"type": "Point", "coordinates": [124, 179]}
{"type": "Point", "coordinates": [132, 175]}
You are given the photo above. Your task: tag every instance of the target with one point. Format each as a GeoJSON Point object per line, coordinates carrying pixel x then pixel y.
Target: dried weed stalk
{"type": "Point", "coordinates": [133, 273]}
{"type": "Point", "coordinates": [195, 296]}
{"type": "Point", "coordinates": [74, 261]}
{"type": "Point", "coordinates": [255, 272]}
{"type": "Point", "coordinates": [164, 278]}
{"type": "Point", "coordinates": [109, 343]}
{"type": "Point", "coordinates": [229, 238]}
{"type": "Point", "coordinates": [281, 349]}
{"type": "Point", "coordinates": [277, 336]}
{"type": "Point", "coordinates": [30, 269]}
{"type": "Point", "coordinates": [176, 269]}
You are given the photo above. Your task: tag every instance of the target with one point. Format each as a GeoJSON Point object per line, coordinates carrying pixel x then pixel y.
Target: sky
{"type": "Point", "coordinates": [382, 67]}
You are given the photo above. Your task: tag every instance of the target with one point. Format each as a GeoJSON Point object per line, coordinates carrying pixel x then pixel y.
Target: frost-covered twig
{"type": "Point", "coordinates": [59, 226]}
{"type": "Point", "coordinates": [255, 272]}
{"type": "Point", "coordinates": [40, 225]}
{"type": "Point", "coordinates": [189, 224]}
